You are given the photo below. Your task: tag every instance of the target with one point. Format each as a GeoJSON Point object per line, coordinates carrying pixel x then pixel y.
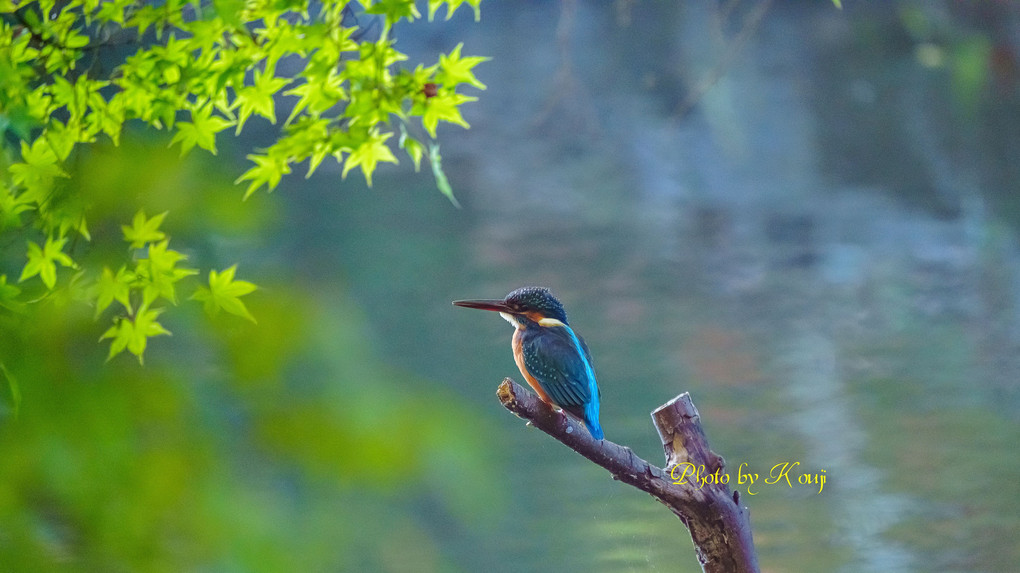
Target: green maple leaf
{"type": "Point", "coordinates": [134, 334]}
{"type": "Point", "coordinates": [455, 69]}
{"type": "Point", "coordinates": [113, 287]}
{"type": "Point", "coordinates": [230, 11]}
{"type": "Point", "coordinates": [43, 261]}
{"type": "Point", "coordinates": [268, 171]}
{"type": "Point", "coordinates": [444, 107]}
{"type": "Point", "coordinates": [394, 10]}
{"type": "Point", "coordinates": [113, 11]}
{"type": "Point", "coordinates": [143, 230]}
{"type": "Point", "coordinates": [258, 98]}
{"type": "Point", "coordinates": [38, 167]}
{"type": "Point", "coordinates": [318, 94]}
{"type": "Point", "coordinates": [368, 155]}
{"type": "Point", "coordinates": [61, 138]}
{"type": "Point", "coordinates": [159, 268]}
{"type": "Point", "coordinates": [224, 294]}
{"type": "Point", "coordinates": [451, 7]}
{"type": "Point", "coordinates": [201, 130]}
{"type": "Point", "coordinates": [121, 333]}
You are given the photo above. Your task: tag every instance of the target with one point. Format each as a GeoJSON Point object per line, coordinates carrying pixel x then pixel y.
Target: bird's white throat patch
{"type": "Point", "coordinates": [546, 322]}
{"type": "Point", "coordinates": [511, 319]}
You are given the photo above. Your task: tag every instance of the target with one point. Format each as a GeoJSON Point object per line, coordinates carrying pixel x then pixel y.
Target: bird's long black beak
{"type": "Point", "coordinates": [496, 305]}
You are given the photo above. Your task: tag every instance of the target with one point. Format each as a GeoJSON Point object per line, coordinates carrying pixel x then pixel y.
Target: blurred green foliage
{"type": "Point", "coordinates": [287, 445]}
{"type": "Point", "coordinates": [74, 73]}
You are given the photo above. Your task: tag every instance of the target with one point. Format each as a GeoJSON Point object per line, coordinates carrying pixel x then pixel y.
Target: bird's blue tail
{"type": "Point", "coordinates": [591, 418]}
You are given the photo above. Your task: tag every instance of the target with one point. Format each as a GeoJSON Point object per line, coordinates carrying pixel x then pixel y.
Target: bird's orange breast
{"type": "Point", "coordinates": [519, 359]}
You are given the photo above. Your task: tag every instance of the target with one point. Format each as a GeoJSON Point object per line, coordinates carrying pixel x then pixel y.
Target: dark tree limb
{"type": "Point", "coordinates": [719, 525]}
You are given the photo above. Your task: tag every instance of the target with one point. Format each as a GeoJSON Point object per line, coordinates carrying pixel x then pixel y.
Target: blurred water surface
{"type": "Point", "coordinates": [815, 236]}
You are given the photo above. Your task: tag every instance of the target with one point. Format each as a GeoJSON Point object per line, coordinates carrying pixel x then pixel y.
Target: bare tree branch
{"type": "Point", "coordinates": [719, 526]}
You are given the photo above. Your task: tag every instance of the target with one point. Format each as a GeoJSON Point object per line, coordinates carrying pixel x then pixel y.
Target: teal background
{"type": "Point", "coordinates": [807, 221]}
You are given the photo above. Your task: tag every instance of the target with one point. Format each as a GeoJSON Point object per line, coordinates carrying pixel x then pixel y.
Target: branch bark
{"type": "Point", "coordinates": [720, 527]}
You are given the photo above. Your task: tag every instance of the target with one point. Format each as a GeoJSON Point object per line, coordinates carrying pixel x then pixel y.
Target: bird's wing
{"type": "Point", "coordinates": [587, 355]}
{"type": "Point", "coordinates": [559, 361]}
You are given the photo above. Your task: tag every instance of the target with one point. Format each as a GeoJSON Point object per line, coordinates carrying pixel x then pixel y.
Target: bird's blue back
{"type": "Point", "coordinates": [559, 360]}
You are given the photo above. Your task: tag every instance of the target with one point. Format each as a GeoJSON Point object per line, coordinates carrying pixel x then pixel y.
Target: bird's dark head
{"type": "Point", "coordinates": [536, 300]}
{"type": "Point", "coordinates": [531, 304]}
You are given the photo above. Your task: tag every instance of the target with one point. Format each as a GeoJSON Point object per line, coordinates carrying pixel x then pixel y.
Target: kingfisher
{"type": "Point", "coordinates": [550, 355]}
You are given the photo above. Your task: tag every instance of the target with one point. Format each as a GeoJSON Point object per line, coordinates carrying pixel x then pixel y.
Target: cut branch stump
{"type": "Point", "coordinates": [719, 526]}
